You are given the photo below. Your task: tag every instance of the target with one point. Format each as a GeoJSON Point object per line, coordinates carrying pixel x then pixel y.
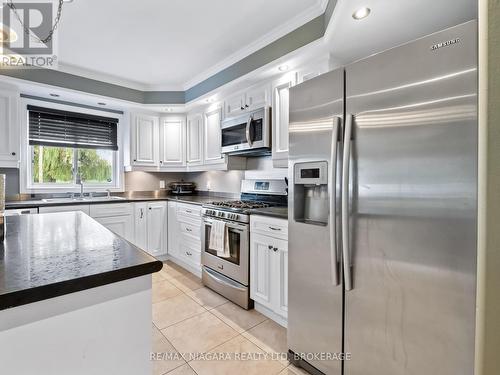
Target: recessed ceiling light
{"type": "Point", "coordinates": [169, 109]}
{"type": "Point", "coordinates": [7, 35]}
{"type": "Point", "coordinates": [101, 103]}
{"type": "Point", "coordinates": [54, 95]}
{"type": "Point", "coordinates": [361, 13]}
{"type": "Point", "coordinates": [283, 68]}
{"type": "Point", "coordinates": [67, 1]}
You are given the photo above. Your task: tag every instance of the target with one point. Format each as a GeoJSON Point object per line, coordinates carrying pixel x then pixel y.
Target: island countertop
{"type": "Point", "coordinates": [49, 255]}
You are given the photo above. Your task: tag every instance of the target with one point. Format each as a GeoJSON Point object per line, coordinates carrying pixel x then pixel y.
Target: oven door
{"type": "Point", "coordinates": [236, 266]}
{"type": "Point", "coordinates": [245, 132]}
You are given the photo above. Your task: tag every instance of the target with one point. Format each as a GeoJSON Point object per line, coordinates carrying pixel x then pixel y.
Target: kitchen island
{"type": "Point", "coordinates": [74, 298]}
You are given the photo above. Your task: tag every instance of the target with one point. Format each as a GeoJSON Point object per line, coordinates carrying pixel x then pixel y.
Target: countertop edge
{"type": "Point", "coordinates": [41, 293]}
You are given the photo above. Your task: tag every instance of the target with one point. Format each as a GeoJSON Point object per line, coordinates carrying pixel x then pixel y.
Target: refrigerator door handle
{"type": "Point", "coordinates": [345, 203]}
{"type": "Point", "coordinates": [333, 204]}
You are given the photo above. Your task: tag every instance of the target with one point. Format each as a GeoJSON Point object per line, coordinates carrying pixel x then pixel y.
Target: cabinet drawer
{"type": "Point", "coordinates": [189, 210]}
{"type": "Point", "coordinates": [110, 209]}
{"type": "Point", "coordinates": [269, 226]}
{"type": "Point", "coordinates": [190, 230]}
{"type": "Point", "coordinates": [190, 253]}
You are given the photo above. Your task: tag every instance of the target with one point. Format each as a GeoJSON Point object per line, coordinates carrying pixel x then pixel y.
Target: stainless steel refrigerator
{"type": "Point", "coordinates": [382, 211]}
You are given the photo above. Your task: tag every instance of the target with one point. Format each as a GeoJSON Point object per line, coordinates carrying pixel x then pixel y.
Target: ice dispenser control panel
{"type": "Point", "coordinates": [312, 173]}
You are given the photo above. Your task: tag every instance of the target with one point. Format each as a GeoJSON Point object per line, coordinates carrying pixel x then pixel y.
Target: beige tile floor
{"type": "Point", "coordinates": [197, 331]}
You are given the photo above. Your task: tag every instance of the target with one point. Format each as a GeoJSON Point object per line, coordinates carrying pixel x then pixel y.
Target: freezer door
{"type": "Point", "coordinates": [315, 291]}
{"type": "Point", "coordinates": [412, 208]}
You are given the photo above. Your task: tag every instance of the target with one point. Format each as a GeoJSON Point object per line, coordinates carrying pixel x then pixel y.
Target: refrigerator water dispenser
{"type": "Point", "coordinates": [311, 198]}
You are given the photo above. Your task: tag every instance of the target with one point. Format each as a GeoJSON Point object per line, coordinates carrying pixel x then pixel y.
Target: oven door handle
{"type": "Point", "coordinates": [220, 280]}
{"type": "Point", "coordinates": [247, 132]}
{"type": "Point", "coordinates": [236, 227]}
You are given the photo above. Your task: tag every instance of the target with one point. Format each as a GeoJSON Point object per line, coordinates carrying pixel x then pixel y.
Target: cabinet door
{"type": "Point", "coordinates": [156, 227]}
{"type": "Point", "coordinates": [173, 230]}
{"type": "Point", "coordinates": [234, 105]}
{"type": "Point", "coordinates": [141, 225]}
{"type": "Point", "coordinates": [280, 124]}
{"type": "Point", "coordinates": [9, 135]}
{"type": "Point", "coordinates": [195, 140]}
{"type": "Point", "coordinates": [280, 277]}
{"type": "Point", "coordinates": [145, 141]}
{"type": "Point", "coordinates": [212, 137]}
{"type": "Point", "coordinates": [120, 225]}
{"type": "Point", "coordinates": [256, 98]}
{"type": "Point", "coordinates": [261, 253]}
{"type": "Point", "coordinates": [172, 143]}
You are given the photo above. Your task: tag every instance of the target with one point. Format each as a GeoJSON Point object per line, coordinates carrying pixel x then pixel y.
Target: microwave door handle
{"type": "Point", "coordinates": [345, 202]}
{"type": "Point", "coordinates": [247, 132]}
{"type": "Point", "coordinates": [332, 182]}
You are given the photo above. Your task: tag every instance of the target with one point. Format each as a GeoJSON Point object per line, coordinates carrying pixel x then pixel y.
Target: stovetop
{"type": "Point", "coordinates": [239, 204]}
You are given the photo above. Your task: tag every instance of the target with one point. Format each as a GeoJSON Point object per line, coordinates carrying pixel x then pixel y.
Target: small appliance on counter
{"type": "Point", "coordinates": [182, 188]}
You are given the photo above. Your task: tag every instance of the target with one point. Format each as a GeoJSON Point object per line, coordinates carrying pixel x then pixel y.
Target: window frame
{"type": "Point", "coordinates": [27, 186]}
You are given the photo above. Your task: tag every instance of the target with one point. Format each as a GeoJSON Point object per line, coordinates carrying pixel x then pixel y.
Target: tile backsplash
{"type": "Point", "coordinates": [11, 181]}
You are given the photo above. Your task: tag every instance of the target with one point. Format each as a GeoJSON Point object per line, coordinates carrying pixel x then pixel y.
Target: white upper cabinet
{"type": "Point", "coordinates": [9, 134]}
{"type": "Point", "coordinates": [195, 140]}
{"type": "Point", "coordinates": [253, 98]}
{"type": "Point", "coordinates": [279, 137]}
{"type": "Point", "coordinates": [256, 98]}
{"type": "Point", "coordinates": [234, 105]}
{"type": "Point", "coordinates": [145, 135]}
{"type": "Point", "coordinates": [172, 142]}
{"type": "Point", "coordinates": [212, 139]}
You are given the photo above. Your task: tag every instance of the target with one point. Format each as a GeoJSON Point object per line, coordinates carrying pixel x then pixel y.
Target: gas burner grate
{"type": "Point", "coordinates": [240, 204]}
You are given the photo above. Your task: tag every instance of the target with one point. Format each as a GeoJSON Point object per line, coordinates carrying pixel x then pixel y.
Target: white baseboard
{"type": "Point", "coordinates": [195, 271]}
{"type": "Point", "coordinates": [271, 315]}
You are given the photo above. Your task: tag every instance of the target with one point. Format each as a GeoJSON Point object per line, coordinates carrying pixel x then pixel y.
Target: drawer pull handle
{"type": "Point", "coordinates": [274, 228]}
{"type": "Point", "coordinates": [188, 211]}
{"type": "Point", "coordinates": [270, 247]}
{"type": "Point", "coordinates": [188, 253]}
{"type": "Point", "coordinates": [188, 230]}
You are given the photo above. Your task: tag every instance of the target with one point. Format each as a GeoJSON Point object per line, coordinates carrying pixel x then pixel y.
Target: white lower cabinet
{"type": "Point", "coordinates": [117, 217]}
{"type": "Point", "coordinates": [184, 235]}
{"type": "Point", "coordinates": [269, 267]}
{"type": "Point", "coordinates": [151, 227]}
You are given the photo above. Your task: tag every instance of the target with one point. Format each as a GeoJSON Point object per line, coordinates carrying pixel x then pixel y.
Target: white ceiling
{"type": "Point", "coordinates": [170, 44]}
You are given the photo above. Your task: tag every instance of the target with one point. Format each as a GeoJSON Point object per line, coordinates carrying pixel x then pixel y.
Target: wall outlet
{"type": "Point", "coordinates": [162, 184]}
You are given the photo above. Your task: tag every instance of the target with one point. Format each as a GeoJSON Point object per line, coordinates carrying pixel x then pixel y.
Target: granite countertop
{"type": "Point", "coordinates": [49, 255]}
{"type": "Point", "coordinates": [193, 199]}
{"type": "Point", "coordinates": [277, 212]}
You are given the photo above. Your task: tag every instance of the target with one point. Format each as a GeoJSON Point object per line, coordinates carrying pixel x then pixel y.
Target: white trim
{"type": "Point", "coordinates": [271, 314]}
{"type": "Point", "coordinates": [26, 187]}
{"type": "Point", "coordinates": [278, 32]}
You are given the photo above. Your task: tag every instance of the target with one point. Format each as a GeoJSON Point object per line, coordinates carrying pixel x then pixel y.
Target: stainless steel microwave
{"type": "Point", "coordinates": [247, 134]}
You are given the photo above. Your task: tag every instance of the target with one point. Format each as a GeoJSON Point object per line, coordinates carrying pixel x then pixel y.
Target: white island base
{"type": "Point", "coordinates": [104, 330]}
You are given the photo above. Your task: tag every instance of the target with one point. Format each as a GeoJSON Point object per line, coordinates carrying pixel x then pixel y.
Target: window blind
{"type": "Point", "coordinates": [52, 127]}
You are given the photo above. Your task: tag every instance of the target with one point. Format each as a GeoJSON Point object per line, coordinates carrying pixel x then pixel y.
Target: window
{"type": "Point", "coordinates": [64, 145]}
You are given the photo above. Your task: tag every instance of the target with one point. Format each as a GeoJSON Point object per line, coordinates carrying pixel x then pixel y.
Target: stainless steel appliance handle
{"type": "Point", "coordinates": [220, 280]}
{"type": "Point", "coordinates": [247, 132]}
{"type": "Point", "coordinates": [229, 224]}
{"type": "Point", "coordinates": [332, 183]}
{"type": "Point", "coordinates": [345, 202]}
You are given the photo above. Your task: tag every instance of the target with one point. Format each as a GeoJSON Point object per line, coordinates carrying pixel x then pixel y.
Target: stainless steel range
{"type": "Point", "coordinates": [229, 274]}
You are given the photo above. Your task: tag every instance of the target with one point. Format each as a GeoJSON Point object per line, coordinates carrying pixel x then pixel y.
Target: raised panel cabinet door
{"type": "Point", "coordinates": [173, 230]}
{"type": "Point", "coordinates": [256, 98]}
{"type": "Point", "coordinates": [172, 142]}
{"type": "Point", "coordinates": [280, 277]}
{"type": "Point", "coordinates": [9, 135]}
{"type": "Point", "coordinates": [261, 254]}
{"type": "Point", "coordinates": [212, 137]}
{"type": "Point", "coordinates": [195, 139]}
{"type": "Point", "coordinates": [145, 140]}
{"type": "Point", "coordinates": [156, 227]}
{"type": "Point", "coordinates": [234, 105]}
{"type": "Point", "coordinates": [280, 124]}
{"type": "Point", "coordinates": [120, 225]}
{"type": "Point", "coordinates": [141, 225]}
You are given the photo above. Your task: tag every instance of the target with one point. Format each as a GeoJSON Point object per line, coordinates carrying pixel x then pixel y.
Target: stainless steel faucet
{"type": "Point", "coordinates": [109, 193]}
{"type": "Point", "coordinates": [79, 181]}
